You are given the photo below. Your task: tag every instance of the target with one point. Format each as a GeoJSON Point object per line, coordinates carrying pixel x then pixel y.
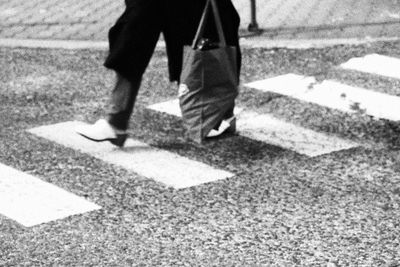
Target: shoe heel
{"type": "Point", "coordinates": [232, 126]}
{"type": "Point", "coordinates": [120, 140]}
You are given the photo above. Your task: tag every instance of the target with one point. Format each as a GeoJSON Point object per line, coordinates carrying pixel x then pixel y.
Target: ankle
{"type": "Point", "coordinates": [116, 129]}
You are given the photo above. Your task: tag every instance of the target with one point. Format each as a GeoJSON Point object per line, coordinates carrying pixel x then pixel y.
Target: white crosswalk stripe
{"type": "Point", "coordinates": [333, 95]}
{"type": "Point", "coordinates": [162, 166]}
{"type": "Point", "coordinates": [270, 130]}
{"type": "Point", "coordinates": [31, 201]}
{"type": "Point", "coordinates": [375, 64]}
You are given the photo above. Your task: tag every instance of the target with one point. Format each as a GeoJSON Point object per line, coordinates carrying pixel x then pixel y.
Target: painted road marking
{"type": "Point", "coordinates": [273, 131]}
{"type": "Point", "coordinates": [169, 107]}
{"type": "Point", "coordinates": [333, 95]}
{"type": "Point", "coordinates": [270, 130]}
{"type": "Point", "coordinates": [162, 166]}
{"type": "Point", "coordinates": [172, 108]}
{"type": "Point", "coordinates": [375, 64]}
{"type": "Point", "coordinates": [31, 201]}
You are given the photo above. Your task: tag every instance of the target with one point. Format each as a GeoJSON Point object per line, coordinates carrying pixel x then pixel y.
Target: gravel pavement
{"type": "Point", "coordinates": [280, 209]}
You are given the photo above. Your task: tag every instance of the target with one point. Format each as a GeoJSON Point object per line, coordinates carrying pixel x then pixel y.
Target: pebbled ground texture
{"type": "Point", "coordinates": [280, 209]}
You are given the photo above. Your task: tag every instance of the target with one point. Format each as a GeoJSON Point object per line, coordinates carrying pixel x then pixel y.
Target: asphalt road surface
{"type": "Point", "coordinates": [306, 181]}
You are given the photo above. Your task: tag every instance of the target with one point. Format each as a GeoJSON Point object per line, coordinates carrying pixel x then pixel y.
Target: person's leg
{"type": "Point", "coordinates": [123, 98]}
{"type": "Point", "coordinates": [121, 105]}
{"type": "Point", "coordinates": [132, 42]}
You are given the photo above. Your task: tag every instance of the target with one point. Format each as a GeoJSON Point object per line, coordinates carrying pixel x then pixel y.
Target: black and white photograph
{"type": "Point", "coordinates": [249, 133]}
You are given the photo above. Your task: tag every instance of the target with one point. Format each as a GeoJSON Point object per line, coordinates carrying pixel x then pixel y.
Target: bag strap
{"type": "Point", "coordinates": [217, 18]}
{"type": "Point", "coordinates": [218, 23]}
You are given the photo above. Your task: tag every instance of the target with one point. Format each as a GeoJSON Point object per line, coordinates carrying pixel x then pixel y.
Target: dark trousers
{"type": "Point", "coordinates": [123, 98]}
{"type": "Point", "coordinates": [134, 36]}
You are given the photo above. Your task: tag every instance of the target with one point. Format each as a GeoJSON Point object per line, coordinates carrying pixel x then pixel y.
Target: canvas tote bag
{"type": "Point", "coordinates": [208, 83]}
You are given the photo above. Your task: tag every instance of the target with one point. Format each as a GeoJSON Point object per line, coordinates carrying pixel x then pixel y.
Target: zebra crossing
{"type": "Point", "coordinates": [31, 201]}
{"type": "Point", "coordinates": [18, 203]}
{"type": "Point", "coordinates": [375, 64]}
{"type": "Point", "coordinates": [162, 166]}
{"type": "Point", "coordinates": [333, 95]}
{"type": "Point", "coordinates": [265, 128]}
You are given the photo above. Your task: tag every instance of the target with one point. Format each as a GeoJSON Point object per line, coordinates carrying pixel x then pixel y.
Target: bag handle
{"type": "Point", "coordinates": [218, 23]}
{"type": "Point", "coordinates": [217, 18]}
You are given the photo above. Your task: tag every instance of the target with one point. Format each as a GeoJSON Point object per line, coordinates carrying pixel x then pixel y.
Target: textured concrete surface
{"type": "Point", "coordinates": [280, 19]}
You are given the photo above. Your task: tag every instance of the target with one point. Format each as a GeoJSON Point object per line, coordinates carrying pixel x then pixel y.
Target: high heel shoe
{"type": "Point", "coordinates": [102, 131]}
{"type": "Point", "coordinates": [226, 126]}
